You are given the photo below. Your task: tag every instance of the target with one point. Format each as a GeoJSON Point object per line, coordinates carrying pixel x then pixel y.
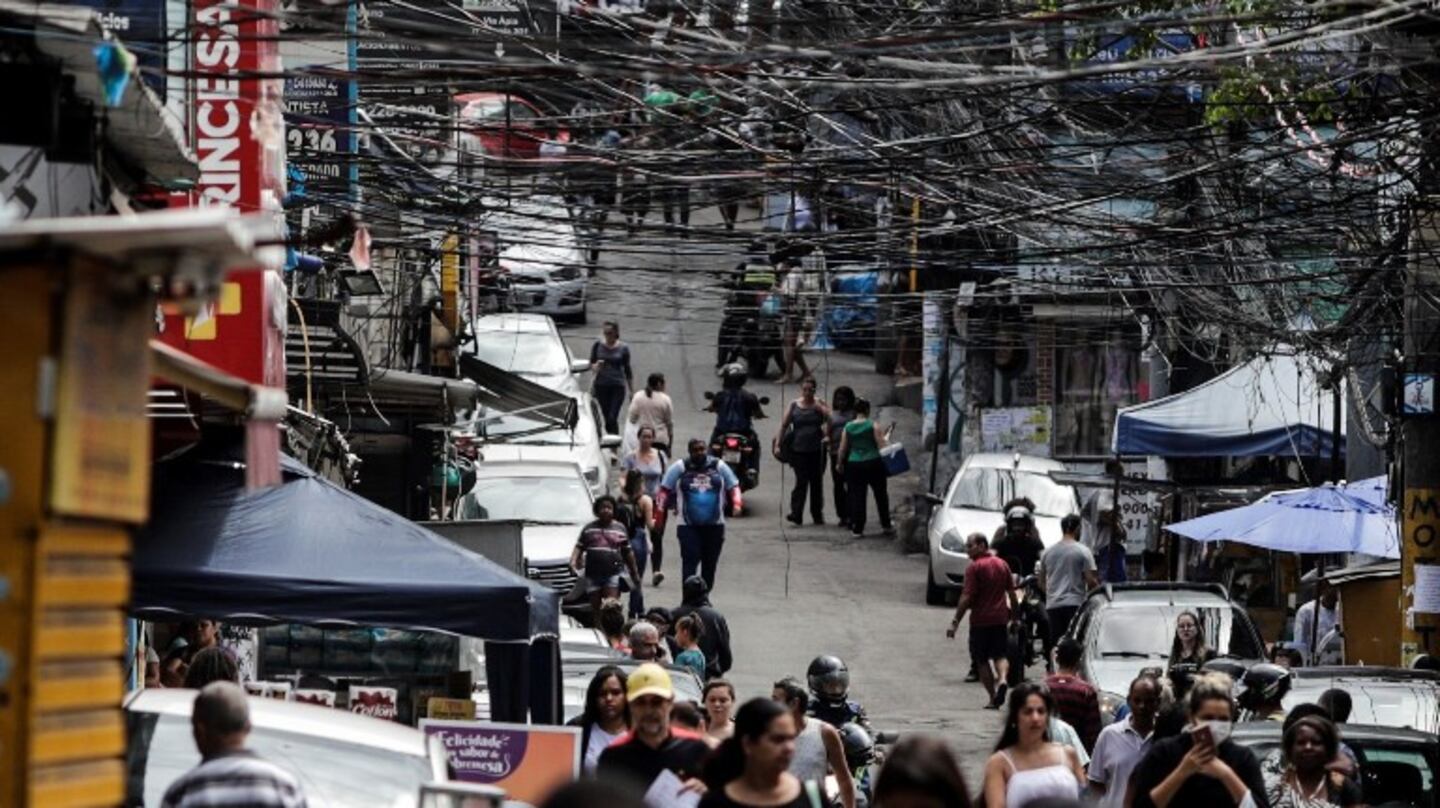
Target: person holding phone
{"type": "Point", "coordinates": [1201, 766]}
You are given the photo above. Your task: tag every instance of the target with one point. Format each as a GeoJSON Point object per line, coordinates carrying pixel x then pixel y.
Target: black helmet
{"type": "Point", "coordinates": [1265, 684]}
{"type": "Point", "coordinates": [859, 746]}
{"type": "Point", "coordinates": [734, 375]}
{"type": "Point", "coordinates": [829, 678]}
{"type": "Point", "coordinates": [1232, 668]}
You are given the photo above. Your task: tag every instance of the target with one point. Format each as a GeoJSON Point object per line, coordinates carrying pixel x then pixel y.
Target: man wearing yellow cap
{"type": "Point", "coordinates": [651, 746]}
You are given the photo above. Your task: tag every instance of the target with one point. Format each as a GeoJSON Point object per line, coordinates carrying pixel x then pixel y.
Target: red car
{"type": "Point", "coordinates": [507, 125]}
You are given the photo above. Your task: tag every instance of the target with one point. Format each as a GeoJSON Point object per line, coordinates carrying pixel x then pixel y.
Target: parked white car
{"type": "Point", "coordinates": [341, 759]}
{"type": "Point", "coordinates": [973, 503]}
{"type": "Point", "coordinates": [514, 437]}
{"type": "Point", "coordinates": [540, 251]}
{"type": "Point", "coordinates": [550, 496]}
{"type": "Point", "coordinates": [528, 345]}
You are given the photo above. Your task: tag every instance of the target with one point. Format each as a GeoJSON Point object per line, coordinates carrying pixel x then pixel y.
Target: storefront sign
{"type": "Point", "coordinates": [377, 702]}
{"type": "Point", "coordinates": [1016, 429]}
{"type": "Point", "coordinates": [450, 709]}
{"type": "Point", "coordinates": [527, 761]}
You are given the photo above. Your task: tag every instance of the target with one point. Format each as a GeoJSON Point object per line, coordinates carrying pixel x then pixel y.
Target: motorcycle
{"type": "Point", "coordinates": [1030, 633]}
{"type": "Point", "coordinates": [739, 450]}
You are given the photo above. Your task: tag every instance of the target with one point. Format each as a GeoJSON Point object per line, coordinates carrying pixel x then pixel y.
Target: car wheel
{"type": "Point", "coordinates": [935, 594]}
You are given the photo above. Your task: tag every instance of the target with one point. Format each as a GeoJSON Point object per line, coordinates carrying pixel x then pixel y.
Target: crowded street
{"type": "Point", "coordinates": [650, 404]}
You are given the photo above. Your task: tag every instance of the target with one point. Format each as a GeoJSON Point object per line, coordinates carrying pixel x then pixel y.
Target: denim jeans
{"type": "Point", "coordinates": [637, 593]}
{"type": "Point", "coordinates": [700, 547]}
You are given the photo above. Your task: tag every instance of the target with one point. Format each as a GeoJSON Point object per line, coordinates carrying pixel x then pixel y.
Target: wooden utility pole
{"type": "Point", "coordinates": [1420, 440]}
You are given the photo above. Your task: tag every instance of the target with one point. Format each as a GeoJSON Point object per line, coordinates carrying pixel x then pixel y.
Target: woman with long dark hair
{"type": "Point", "coordinates": [651, 461]}
{"type": "Point", "coordinates": [641, 509]}
{"type": "Point", "coordinates": [921, 772]}
{"type": "Point", "coordinates": [752, 768]}
{"type": "Point", "coordinates": [652, 407]}
{"type": "Point", "coordinates": [606, 715]}
{"type": "Point", "coordinates": [612, 376]}
{"type": "Point", "coordinates": [1188, 647]}
{"type": "Point", "coordinates": [1027, 764]}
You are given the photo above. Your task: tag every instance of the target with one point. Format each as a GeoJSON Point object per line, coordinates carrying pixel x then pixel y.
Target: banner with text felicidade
{"type": "Point", "coordinates": [528, 761]}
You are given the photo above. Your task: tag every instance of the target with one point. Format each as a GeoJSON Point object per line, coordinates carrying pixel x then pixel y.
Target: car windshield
{"type": "Point", "coordinates": [522, 352]}
{"type": "Point", "coordinates": [333, 773]}
{"type": "Point", "coordinates": [535, 499]}
{"type": "Point", "coordinates": [515, 429]}
{"type": "Point", "coordinates": [1147, 631]}
{"type": "Point", "coordinates": [1376, 701]}
{"type": "Point", "coordinates": [990, 489]}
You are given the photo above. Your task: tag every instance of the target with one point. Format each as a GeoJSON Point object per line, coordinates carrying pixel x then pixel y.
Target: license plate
{"type": "Point", "coordinates": [731, 456]}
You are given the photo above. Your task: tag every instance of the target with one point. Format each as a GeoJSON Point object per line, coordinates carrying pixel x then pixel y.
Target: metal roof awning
{"type": "Point", "coordinates": [506, 392]}
{"type": "Point", "coordinates": [405, 387]}
{"type": "Point", "coordinates": [139, 128]}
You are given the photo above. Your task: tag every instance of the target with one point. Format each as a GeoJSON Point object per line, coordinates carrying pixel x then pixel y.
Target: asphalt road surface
{"type": "Point", "coordinates": [790, 593]}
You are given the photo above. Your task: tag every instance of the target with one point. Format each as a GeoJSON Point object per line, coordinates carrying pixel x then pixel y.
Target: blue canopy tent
{"type": "Point", "coordinates": [1271, 405]}
{"type": "Point", "coordinates": [307, 551]}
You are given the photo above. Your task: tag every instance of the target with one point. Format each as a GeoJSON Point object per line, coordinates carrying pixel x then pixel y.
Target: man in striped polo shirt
{"type": "Point", "coordinates": [229, 774]}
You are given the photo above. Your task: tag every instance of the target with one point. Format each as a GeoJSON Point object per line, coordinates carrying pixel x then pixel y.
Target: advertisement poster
{"type": "Point", "coordinates": [1016, 429]}
{"type": "Point", "coordinates": [527, 761]}
{"type": "Point", "coordinates": [377, 702]}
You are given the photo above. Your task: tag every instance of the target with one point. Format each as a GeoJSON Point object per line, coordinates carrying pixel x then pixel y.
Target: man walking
{"type": "Point", "coordinates": [1075, 699]}
{"type": "Point", "coordinates": [229, 774]}
{"type": "Point", "coordinates": [651, 746]}
{"type": "Point", "coordinates": [1067, 573]}
{"type": "Point", "coordinates": [1323, 609]}
{"type": "Point", "coordinates": [818, 748]}
{"type": "Point", "coordinates": [1122, 744]}
{"type": "Point", "coordinates": [715, 641]}
{"type": "Point", "coordinates": [700, 489]}
{"type": "Point", "coordinates": [989, 595]}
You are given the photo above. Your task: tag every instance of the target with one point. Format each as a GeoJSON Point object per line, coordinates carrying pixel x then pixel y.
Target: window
{"type": "Point", "coordinates": [535, 499]}
{"type": "Point", "coordinates": [1097, 371]}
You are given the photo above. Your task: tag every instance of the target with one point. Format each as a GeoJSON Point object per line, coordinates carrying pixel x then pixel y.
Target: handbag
{"type": "Point", "coordinates": [895, 460]}
{"type": "Point", "coordinates": [786, 452]}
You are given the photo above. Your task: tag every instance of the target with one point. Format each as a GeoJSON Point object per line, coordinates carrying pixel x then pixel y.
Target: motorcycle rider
{"type": "Point", "coordinates": [860, 757]}
{"type": "Point", "coordinates": [829, 682]}
{"type": "Point", "coordinates": [735, 411]}
{"type": "Point", "coordinates": [740, 315]}
{"type": "Point", "coordinates": [1018, 541]}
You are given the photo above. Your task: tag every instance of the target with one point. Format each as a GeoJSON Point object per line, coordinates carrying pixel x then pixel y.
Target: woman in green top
{"type": "Point", "coordinates": [859, 459]}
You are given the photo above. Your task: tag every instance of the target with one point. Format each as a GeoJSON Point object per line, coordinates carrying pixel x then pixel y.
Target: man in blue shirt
{"type": "Point", "coordinates": [701, 489]}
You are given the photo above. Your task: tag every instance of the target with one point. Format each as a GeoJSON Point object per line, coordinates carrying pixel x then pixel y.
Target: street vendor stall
{"type": "Point", "coordinates": [309, 553]}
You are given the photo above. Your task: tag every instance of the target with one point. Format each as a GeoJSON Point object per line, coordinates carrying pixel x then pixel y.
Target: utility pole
{"type": "Point", "coordinates": [1420, 438]}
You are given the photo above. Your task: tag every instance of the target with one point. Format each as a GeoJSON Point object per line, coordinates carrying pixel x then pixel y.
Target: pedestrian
{"type": "Point", "coordinates": [699, 488]}
{"type": "Point", "coordinates": [860, 445]}
{"type": "Point", "coordinates": [1200, 766]}
{"type": "Point", "coordinates": [651, 461]}
{"type": "Point", "coordinates": [1107, 538]}
{"type": "Point", "coordinates": [688, 631]}
{"type": "Point", "coordinates": [174, 668]}
{"type": "Point", "coordinates": [229, 774]}
{"type": "Point", "coordinates": [1067, 574]}
{"type": "Point", "coordinates": [751, 769]}
{"type": "Point", "coordinates": [1027, 765]}
{"type": "Point", "coordinates": [1273, 765]}
{"type": "Point", "coordinates": [719, 698]}
{"type": "Point", "coordinates": [211, 665]}
{"type": "Point", "coordinates": [605, 716]}
{"type": "Point", "coordinates": [987, 593]}
{"type": "Point", "coordinates": [842, 412]}
{"type": "Point", "coordinates": [602, 553]}
{"type": "Point", "coordinates": [1018, 540]}
{"type": "Point", "coordinates": [651, 746]}
{"type": "Point", "coordinates": [613, 377]}
{"type": "Point", "coordinates": [611, 620]}
{"type": "Point", "coordinates": [804, 429]}
{"type": "Point", "coordinates": [715, 636]}
{"type": "Point", "coordinates": [818, 748]}
{"type": "Point", "coordinates": [1189, 646]}
{"type": "Point", "coordinates": [645, 643]}
{"type": "Point", "coordinates": [792, 324]}
{"type": "Point", "coordinates": [1306, 632]}
{"type": "Point", "coordinates": [664, 622]}
{"type": "Point", "coordinates": [641, 510]}
{"type": "Point", "coordinates": [1337, 705]}
{"type": "Point", "coordinates": [652, 407]}
{"type": "Point", "coordinates": [1307, 781]}
{"type": "Point", "coordinates": [1121, 745]}
{"type": "Point", "coordinates": [1265, 687]}
{"type": "Point", "coordinates": [921, 772]}
{"type": "Point", "coordinates": [1076, 700]}
{"type": "Point", "coordinates": [685, 716]}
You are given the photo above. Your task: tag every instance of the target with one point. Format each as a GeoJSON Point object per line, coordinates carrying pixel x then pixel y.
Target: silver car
{"type": "Point", "coordinates": [341, 760]}
{"type": "Point", "coordinates": [528, 345]}
{"type": "Point", "coordinates": [552, 499]}
{"type": "Point", "coordinates": [515, 438]}
{"type": "Point", "coordinates": [973, 503]}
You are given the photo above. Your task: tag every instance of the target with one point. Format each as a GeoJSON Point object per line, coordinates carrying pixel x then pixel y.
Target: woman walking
{"type": "Point", "coordinates": [652, 407]}
{"type": "Point", "coordinates": [1200, 766]}
{"type": "Point", "coordinates": [651, 462]}
{"type": "Point", "coordinates": [842, 412]}
{"type": "Point", "coordinates": [606, 715]}
{"type": "Point", "coordinates": [860, 444]}
{"type": "Point", "coordinates": [1188, 647]}
{"type": "Point", "coordinates": [641, 509]}
{"type": "Point", "coordinates": [719, 698]}
{"type": "Point", "coordinates": [1028, 766]}
{"type": "Point", "coordinates": [688, 630]}
{"type": "Point", "coordinates": [1306, 779]}
{"type": "Point", "coordinates": [751, 769]}
{"type": "Point", "coordinates": [613, 378]}
{"type": "Point", "coordinates": [803, 428]}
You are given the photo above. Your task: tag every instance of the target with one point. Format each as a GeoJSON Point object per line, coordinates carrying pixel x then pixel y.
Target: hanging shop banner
{"type": "Point", "coordinates": [140, 25]}
{"type": "Point", "coordinates": [528, 761]}
{"type": "Point", "coordinates": [931, 358]}
{"type": "Point", "coordinates": [319, 119]}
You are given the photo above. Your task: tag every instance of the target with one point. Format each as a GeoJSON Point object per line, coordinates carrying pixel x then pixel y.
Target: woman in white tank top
{"type": "Point", "coordinates": [1026, 765]}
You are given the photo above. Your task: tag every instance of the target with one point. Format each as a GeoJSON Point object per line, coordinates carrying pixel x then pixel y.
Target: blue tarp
{"type": "Point", "coordinates": [849, 321]}
{"type": "Point", "coordinates": [1271, 405]}
{"type": "Point", "coordinates": [307, 551]}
